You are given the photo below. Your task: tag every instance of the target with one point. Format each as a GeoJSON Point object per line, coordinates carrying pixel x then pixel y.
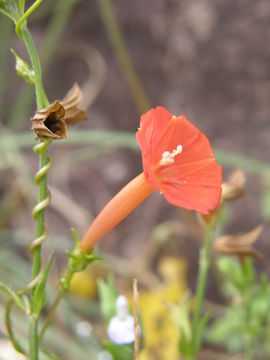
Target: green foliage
{"type": "Point", "coordinates": [108, 295]}
{"type": "Point", "coordinates": [23, 69]}
{"type": "Point", "coordinates": [12, 295]}
{"type": "Point", "coordinates": [180, 314]}
{"type": "Point", "coordinates": [119, 352]}
{"type": "Point", "coordinates": [245, 323]}
{"type": "Point", "coordinates": [39, 297]}
{"type": "Point", "coordinates": [79, 260]}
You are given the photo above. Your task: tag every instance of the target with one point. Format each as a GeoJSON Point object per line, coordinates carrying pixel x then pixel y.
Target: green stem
{"type": "Point", "coordinates": [204, 263]}
{"type": "Point", "coordinates": [41, 97]}
{"type": "Point", "coordinates": [33, 339]}
{"type": "Point", "coordinates": [25, 16]}
{"type": "Point", "coordinates": [62, 9]}
{"type": "Point", "coordinates": [51, 313]}
{"type": "Point", "coordinates": [42, 101]}
{"type": "Point", "coordinates": [9, 328]}
{"type": "Point", "coordinates": [66, 280]}
{"type": "Point", "coordinates": [43, 161]}
{"type": "Point", "coordinates": [5, 30]}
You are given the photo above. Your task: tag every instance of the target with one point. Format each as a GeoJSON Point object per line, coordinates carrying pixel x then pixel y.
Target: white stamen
{"type": "Point", "coordinates": [168, 157]}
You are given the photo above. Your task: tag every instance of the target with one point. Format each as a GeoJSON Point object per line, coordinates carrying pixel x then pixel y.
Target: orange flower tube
{"type": "Point", "coordinates": [121, 205]}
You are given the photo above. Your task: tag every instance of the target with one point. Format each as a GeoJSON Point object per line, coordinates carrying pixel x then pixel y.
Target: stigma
{"type": "Point", "coordinates": [168, 157]}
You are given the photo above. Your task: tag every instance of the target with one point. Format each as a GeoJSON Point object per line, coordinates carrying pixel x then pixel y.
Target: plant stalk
{"type": "Point", "coordinates": [67, 279]}
{"type": "Point", "coordinates": [51, 313]}
{"type": "Point", "coordinates": [33, 339]}
{"type": "Point", "coordinates": [42, 101]}
{"type": "Point", "coordinates": [41, 97]}
{"type": "Point", "coordinates": [120, 49]}
{"type": "Point", "coordinates": [204, 263]}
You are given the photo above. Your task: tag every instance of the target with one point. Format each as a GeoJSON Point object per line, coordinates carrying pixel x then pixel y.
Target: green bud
{"type": "Point", "coordinates": [23, 69]}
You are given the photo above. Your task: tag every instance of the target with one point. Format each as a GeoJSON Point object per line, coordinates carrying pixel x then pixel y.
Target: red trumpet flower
{"type": "Point", "coordinates": [178, 161]}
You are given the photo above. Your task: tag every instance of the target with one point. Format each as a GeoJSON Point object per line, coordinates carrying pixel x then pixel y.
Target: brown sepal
{"type": "Point", "coordinates": [239, 245]}
{"type": "Point", "coordinates": [234, 187]}
{"type": "Point", "coordinates": [71, 101]}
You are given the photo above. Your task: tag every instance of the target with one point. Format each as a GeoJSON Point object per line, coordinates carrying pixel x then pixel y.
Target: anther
{"type": "Point", "coordinates": [168, 157]}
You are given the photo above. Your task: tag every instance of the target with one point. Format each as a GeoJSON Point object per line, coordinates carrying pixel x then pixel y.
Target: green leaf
{"type": "Point", "coordinates": [39, 299]}
{"type": "Point", "coordinates": [108, 295]}
{"type": "Point", "coordinates": [14, 9]}
{"type": "Point", "coordinates": [185, 347]}
{"type": "Point", "coordinates": [198, 337]}
{"type": "Point", "coordinates": [180, 314]}
{"type": "Point", "coordinates": [228, 331]}
{"type": "Point", "coordinates": [234, 275]}
{"type": "Point", "coordinates": [119, 352]}
{"type": "Point", "coordinates": [18, 301]}
{"type": "Point", "coordinates": [23, 69]}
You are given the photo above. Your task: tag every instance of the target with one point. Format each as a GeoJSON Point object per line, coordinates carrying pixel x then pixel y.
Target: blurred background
{"type": "Point", "coordinates": [206, 59]}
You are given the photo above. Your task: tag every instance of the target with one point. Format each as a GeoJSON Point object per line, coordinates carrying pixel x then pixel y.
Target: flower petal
{"type": "Point", "coordinates": [153, 124]}
{"type": "Point", "coordinates": [195, 186]}
{"type": "Point", "coordinates": [194, 179]}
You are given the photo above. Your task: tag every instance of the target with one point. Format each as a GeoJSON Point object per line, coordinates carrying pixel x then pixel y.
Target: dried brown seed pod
{"type": "Point", "coordinates": [52, 122]}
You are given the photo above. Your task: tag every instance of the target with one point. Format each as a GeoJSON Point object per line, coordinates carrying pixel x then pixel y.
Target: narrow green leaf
{"type": "Point", "coordinates": [18, 301]}
{"type": "Point", "coordinates": [199, 335]}
{"type": "Point", "coordinates": [108, 295]}
{"type": "Point", "coordinates": [39, 299]}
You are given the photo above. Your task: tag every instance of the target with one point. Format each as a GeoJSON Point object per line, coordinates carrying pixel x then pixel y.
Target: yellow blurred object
{"type": "Point", "coordinates": [83, 284]}
{"type": "Point", "coordinates": [160, 333]}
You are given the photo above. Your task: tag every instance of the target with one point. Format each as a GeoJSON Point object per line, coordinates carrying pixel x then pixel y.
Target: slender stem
{"type": "Point", "coordinates": [51, 313]}
{"type": "Point", "coordinates": [33, 339]}
{"type": "Point", "coordinates": [42, 101]}
{"type": "Point", "coordinates": [120, 49]}
{"type": "Point", "coordinates": [9, 328]}
{"type": "Point", "coordinates": [43, 160]}
{"type": "Point", "coordinates": [67, 280]}
{"type": "Point", "coordinates": [41, 97]}
{"type": "Point", "coordinates": [61, 14]}
{"type": "Point", "coordinates": [25, 16]}
{"type": "Point", "coordinates": [5, 30]}
{"type": "Point", "coordinates": [204, 263]}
